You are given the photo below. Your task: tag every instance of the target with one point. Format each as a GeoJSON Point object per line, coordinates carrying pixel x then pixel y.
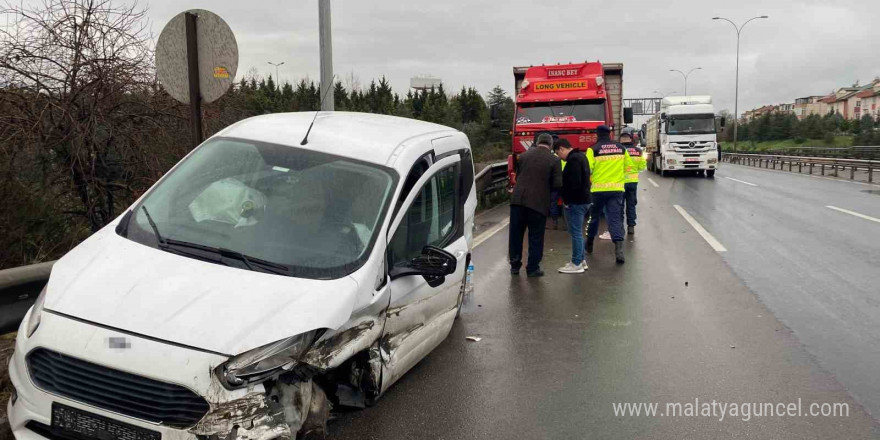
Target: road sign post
{"type": "Point", "coordinates": [196, 61]}
{"type": "Point", "coordinates": [192, 62]}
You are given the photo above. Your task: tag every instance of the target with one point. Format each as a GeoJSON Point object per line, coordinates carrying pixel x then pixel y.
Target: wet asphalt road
{"type": "Point", "coordinates": [788, 312]}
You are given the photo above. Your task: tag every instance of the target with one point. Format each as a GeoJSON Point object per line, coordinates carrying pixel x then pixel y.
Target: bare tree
{"type": "Point", "coordinates": [77, 77]}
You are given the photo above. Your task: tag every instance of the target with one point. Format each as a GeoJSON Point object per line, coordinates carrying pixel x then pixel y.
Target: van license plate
{"type": "Point", "coordinates": [82, 424]}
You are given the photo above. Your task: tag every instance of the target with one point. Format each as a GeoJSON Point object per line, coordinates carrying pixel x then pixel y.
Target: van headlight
{"type": "Point", "coordinates": [264, 362]}
{"type": "Point", "coordinates": [36, 313]}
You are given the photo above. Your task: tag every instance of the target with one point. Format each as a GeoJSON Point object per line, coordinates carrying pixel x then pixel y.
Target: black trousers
{"type": "Point", "coordinates": [522, 218]}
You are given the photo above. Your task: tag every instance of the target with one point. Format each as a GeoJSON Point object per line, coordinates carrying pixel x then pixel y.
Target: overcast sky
{"type": "Point", "coordinates": [806, 47]}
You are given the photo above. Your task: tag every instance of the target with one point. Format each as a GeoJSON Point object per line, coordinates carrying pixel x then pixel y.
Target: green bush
{"type": "Point", "coordinates": [828, 139]}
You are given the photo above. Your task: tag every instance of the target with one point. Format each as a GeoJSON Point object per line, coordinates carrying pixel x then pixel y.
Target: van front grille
{"type": "Point", "coordinates": [116, 391]}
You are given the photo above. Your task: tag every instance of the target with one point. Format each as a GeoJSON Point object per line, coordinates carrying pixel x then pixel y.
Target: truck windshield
{"type": "Point", "coordinates": [562, 111]}
{"type": "Point", "coordinates": [691, 124]}
{"type": "Point", "coordinates": [314, 213]}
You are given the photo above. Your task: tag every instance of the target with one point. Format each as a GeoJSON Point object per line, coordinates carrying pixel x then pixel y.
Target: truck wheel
{"type": "Point", "coordinates": [710, 174]}
{"type": "Point", "coordinates": [701, 173]}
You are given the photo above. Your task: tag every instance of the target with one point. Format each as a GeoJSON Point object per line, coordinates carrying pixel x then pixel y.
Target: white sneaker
{"type": "Point", "coordinates": [605, 236]}
{"type": "Point", "coordinates": [571, 268]}
{"type": "Point", "coordinates": [584, 265]}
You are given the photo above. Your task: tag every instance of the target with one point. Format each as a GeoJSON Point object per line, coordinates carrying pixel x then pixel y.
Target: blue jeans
{"type": "Point", "coordinates": [631, 194]}
{"type": "Point", "coordinates": [612, 202]}
{"type": "Point", "coordinates": [574, 217]}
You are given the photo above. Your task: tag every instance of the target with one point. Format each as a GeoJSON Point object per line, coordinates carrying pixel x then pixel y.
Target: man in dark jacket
{"type": "Point", "coordinates": [576, 199]}
{"type": "Point", "coordinates": [538, 171]}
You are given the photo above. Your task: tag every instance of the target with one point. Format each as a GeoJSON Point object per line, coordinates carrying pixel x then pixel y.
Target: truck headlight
{"type": "Point", "coordinates": [712, 161]}
{"type": "Point", "coordinates": [264, 362]}
{"type": "Point", "coordinates": [36, 313]}
{"type": "Point", "coordinates": [670, 161]}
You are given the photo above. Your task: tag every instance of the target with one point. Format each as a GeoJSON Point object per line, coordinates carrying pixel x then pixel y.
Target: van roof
{"type": "Point", "coordinates": [363, 136]}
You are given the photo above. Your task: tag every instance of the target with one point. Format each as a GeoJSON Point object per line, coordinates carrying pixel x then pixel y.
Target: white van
{"type": "Point", "coordinates": [264, 279]}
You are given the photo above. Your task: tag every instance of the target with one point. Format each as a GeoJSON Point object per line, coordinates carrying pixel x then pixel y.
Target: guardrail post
{"type": "Point", "coordinates": [852, 173]}
{"type": "Point", "coordinates": [823, 169]}
{"type": "Point", "coordinates": [811, 168]}
{"type": "Point", "coordinates": [870, 173]}
{"type": "Point", "coordinates": [800, 167]}
{"type": "Point", "coordinates": [789, 166]}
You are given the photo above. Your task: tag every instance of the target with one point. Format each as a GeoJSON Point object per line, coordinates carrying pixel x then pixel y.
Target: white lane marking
{"type": "Point", "coordinates": [701, 230]}
{"type": "Point", "coordinates": [847, 211]}
{"type": "Point", "coordinates": [653, 182]}
{"type": "Point", "coordinates": [740, 181]}
{"type": "Point", "coordinates": [488, 234]}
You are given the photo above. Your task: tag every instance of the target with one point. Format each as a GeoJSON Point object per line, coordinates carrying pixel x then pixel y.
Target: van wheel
{"type": "Point", "coordinates": [710, 174]}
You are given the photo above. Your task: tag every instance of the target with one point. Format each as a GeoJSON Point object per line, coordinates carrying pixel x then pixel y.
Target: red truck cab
{"type": "Point", "coordinates": [566, 100]}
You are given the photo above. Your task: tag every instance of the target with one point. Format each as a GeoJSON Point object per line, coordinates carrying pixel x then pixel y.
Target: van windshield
{"type": "Point", "coordinates": [315, 213]}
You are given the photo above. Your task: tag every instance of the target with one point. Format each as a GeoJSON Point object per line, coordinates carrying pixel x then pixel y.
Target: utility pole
{"type": "Point", "coordinates": [326, 47]}
{"type": "Point", "coordinates": [736, 87]}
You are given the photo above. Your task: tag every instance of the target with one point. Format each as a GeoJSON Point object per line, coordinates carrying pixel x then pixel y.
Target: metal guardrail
{"type": "Point", "coordinates": [19, 288]}
{"type": "Point", "coordinates": [491, 181]}
{"type": "Point", "coordinates": [824, 164]}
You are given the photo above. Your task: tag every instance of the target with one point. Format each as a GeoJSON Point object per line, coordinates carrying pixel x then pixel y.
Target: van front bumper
{"type": "Point", "coordinates": [247, 409]}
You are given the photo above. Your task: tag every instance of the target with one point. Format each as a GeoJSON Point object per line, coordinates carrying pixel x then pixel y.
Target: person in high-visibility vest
{"type": "Point", "coordinates": [631, 184]}
{"type": "Point", "coordinates": [608, 163]}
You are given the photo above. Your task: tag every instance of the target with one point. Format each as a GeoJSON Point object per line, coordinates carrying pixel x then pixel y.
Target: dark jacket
{"type": "Point", "coordinates": [538, 171]}
{"type": "Point", "coordinates": [576, 179]}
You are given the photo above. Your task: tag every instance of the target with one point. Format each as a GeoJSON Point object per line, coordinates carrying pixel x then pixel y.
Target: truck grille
{"type": "Point", "coordinates": [114, 390]}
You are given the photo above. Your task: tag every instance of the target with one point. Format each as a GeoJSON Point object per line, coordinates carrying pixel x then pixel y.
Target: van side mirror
{"type": "Point", "coordinates": [662, 116]}
{"type": "Point", "coordinates": [627, 115]}
{"type": "Point", "coordinates": [433, 263]}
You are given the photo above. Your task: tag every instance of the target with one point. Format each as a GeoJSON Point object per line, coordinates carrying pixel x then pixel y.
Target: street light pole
{"type": "Point", "coordinates": [686, 75]}
{"type": "Point", "coordinates": [277, 79]}
{"type": "Point", "coordinates": [736, 87]}
{"type": "Point", "coordinates": [326, 47]}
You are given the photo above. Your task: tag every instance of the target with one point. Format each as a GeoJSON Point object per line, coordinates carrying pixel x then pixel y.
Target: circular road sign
{"type": "Point", "coordinates": [218, 56]}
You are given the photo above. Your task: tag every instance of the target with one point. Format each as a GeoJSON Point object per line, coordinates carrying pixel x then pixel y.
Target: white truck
{"type": "Point", "coordinates": [682, 136]}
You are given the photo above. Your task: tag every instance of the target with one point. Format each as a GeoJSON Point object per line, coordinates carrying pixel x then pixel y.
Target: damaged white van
{"type": "Point", "coordinates": [269, 276]}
